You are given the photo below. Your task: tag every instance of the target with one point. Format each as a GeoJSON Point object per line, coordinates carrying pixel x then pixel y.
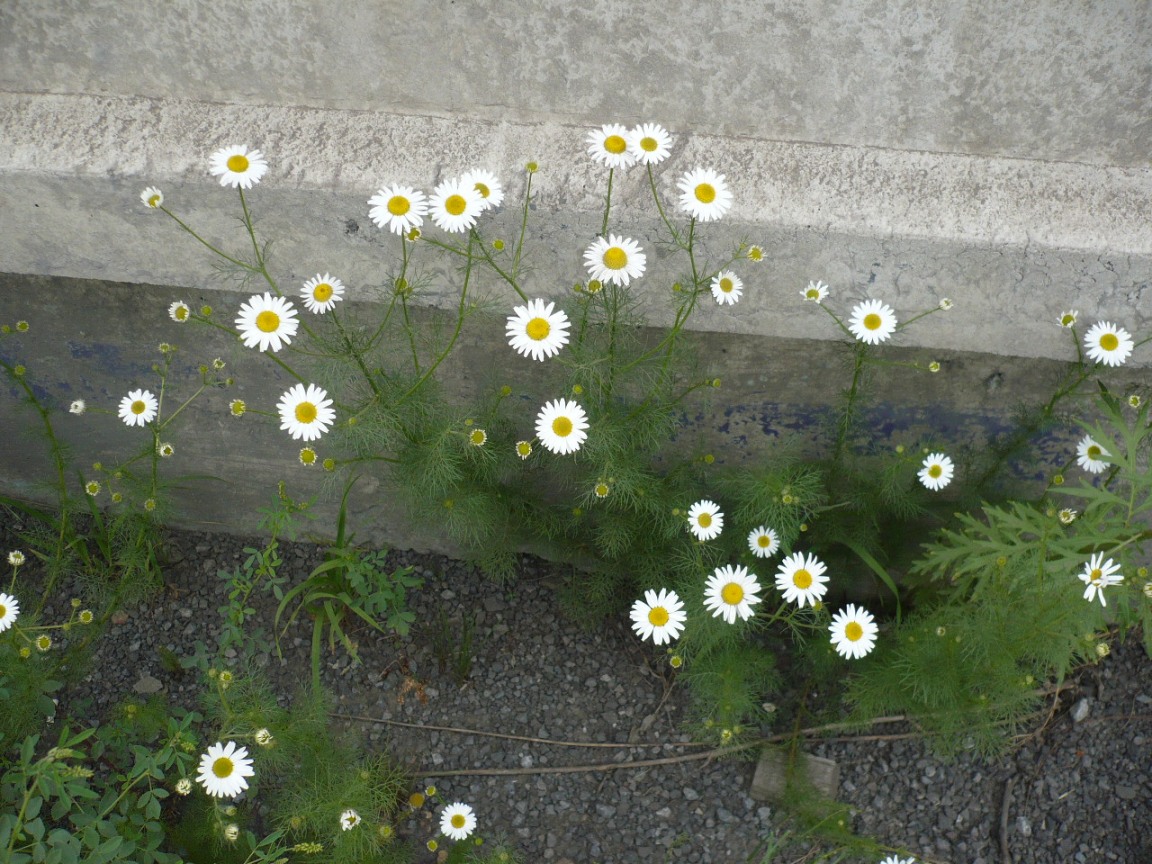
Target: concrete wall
{"type": "Point", "coordinates": [903, 149]}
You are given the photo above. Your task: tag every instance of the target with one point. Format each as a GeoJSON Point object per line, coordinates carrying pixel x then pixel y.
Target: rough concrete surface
{"type": "Point", "coordinates": [902, 150]}
{"type": "Point", "coordinates": [98, 340]}
{"type": "Point", "coordinates": [1058, 80]}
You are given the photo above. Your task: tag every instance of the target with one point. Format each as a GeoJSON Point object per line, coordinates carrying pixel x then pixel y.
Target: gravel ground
{"type": "Point", "coordinates": [1077, 791]}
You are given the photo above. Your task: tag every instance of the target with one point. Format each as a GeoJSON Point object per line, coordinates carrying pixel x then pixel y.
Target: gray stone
{"type": "Point", "coordinates": [146, 684]}
{"type": "Point", "coordinates": [773, 774]}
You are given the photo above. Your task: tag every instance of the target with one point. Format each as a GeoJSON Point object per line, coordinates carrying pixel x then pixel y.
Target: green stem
{"type": "Point", "coordinates": [411, 335]}
{"type": "Point", "coordinates": [208, 245]}
{"type": "Point", "coordinates": [461, 314]}
{"type": "Point", "coordinates": [523, 227]}
{"type": "Point", "coordinates": [660, 209]}
{"type": "Point", "coordinates": [263, 269]}
{"type": "Point", "coordinates": [356, 355]}
{"type": "Point", "coordinates": [607, 204]}
{"type": "Point", "coordinates": [847, 419]}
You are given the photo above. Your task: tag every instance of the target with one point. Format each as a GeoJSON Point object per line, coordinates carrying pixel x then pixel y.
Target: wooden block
{"type": "Point", "coordinates": [770, 781]}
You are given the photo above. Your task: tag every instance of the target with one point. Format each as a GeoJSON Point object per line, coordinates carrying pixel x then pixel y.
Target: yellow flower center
{"type": "Point", "coordinates": [477, 437]}
{"type": "Point", "coordinates": [649, 144]}
{"type": "Point", "coordinates": [1094, 452]}
{"type": "Point", "coordinates": [3, 611]}
{"type": "Point", "coordinates": [306, 412]}
{"type": "Point", "coordinates": [1109, 342]}
{"type": "Point", "coordinates": [615, 144]}
{"type": "Point", "coordinates": [763, 541]}
{"type": "Point", "coordinates": [853, 632]}
{"type": "Point", "coordinates": [154, 201]}
{"type": "Point", "coordinates": [704, 520]}
{"type": "Point", "coordinates": [538, 328]}
{"type": "Point", "coordinates": [1096, 574]}
{"type": "Point", "coordinates": [138, 407]}
{"type": "Point", "coordinates": [615, 258]}
{"type": "Point", "coordinates": [1067, 320]}
{"type": "Point", "coordinates": [523, 448]}
{"type": "Point", "coordinates": [872, 321]}
{"type": "Point", "coordinates": [601, 490]}
{"type": "Point", "coordinates": [455, 204]}
{"type": "Point", "coordinates": [322, 293]}
{"type": "Point", "coordinates": [726, 285]}
{"type": "Point", "coordinates": [458, 820]}
{"type": "Point", "coordinates": [705, 193]}
{"type": "Point", "coordinates": [802, 579]}
{"type": "Point", "coordinates": [307, 457]}
{"type": "Point", "coordinates": [483, 190]}
{"type": "Point", "coordinates": [658, 616]}
{"type": "Point", "coordinates": [416, 799]}
{"type": "Point", "coordinates": [562, 427]}
{"type": "Point", "coordinates": [223, 766]}
{"type": "Point", "coordinates": [935, 471]}
{"type": "Point", "coordinates": [398, 205]}
{"type": "Point", "coordinates": [268, 321]}
{"type": "Point", "coordinates": [238, 164]}
{"type": "Point", "coordinates": [732, 593]}
{"type": "Point", "coordinates": [181, 313]}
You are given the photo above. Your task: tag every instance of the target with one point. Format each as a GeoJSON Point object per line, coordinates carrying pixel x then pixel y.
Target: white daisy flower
{"type": "Point", "coordinates": [267, 322]}
{"type": "Point", "coordinates": [398, 208]}
{"type": "Point", "coordinates": [477, 437]}
{"type": "Point", "coordinates": [704, 194]}
{"type": "Point", "coordinates": [730, 593]}
{"type": "Point", "coordinates": [485, 183]}
{"type": "Point", "coordinates": [152, 197]}
{"type": "Point", "coordinates": [138, 407]}
{"type": "Point", "coordinates": [726, 288]}
{"type": "Point", "coordinates": [1108, 344]}
{"type": "Point", "coordinates": [263, 737]}
{"type": "Point", "coordinates": [853, 632]}
{"type": "Point", "coordinates": [659, 616]}
{"type": "Point", "coordinates": [936, 472]}
{"type": "Point", "coordinates": [705, 520]}
{"type": "Point", "coordinates": [223, 769]}
{"type": "Point", "coordinates": [457, 821]}
{"type": "Point", "coordinates": [562, 426]}
{"type": "Point", "coordinates": [322, 293]}
{"type": "Point", "coordinates": [78, 406]}
{"type": "Point", "coordinates": [306, 412]}
{"type": "Point", "coordinates": [231, 832]}
{"type": "Point", "coordinates": [165, 450]}
{"type": "Point", "coordinates": [945, 304]}
{"type": "Point", "coordinates": [801, 579]}
{"type": "Point", "coordinates": [454, 206]}
{"type": "Point", "coordinates": [1068, 319]}
{"type": "Point", "coordinates": [349, 819]}
{"type": "Point", "coordinates": [1099, 574]}
{"type": "Point", "coordinates": [523, 449]}
{"type": "Point", "coordinates": [9, 611]}
{"type": "Point", "coordinates": [815, 292]}
{"type": "Point", "coordinates": [649, 143]}
{"type": "Point", "coordinates": [236, 165]}
{"type": "Point", "coordinates": [896, 859]}
{"type": "Point", "coordinates": [617, 260]}
{"type": "Point", "coordinates": [536, 331]}
{"type": "Point", "coordinates": [1091, 456]}
{"type": "Point", "coordinates": [763, 542]}
{"type": "Point", "coordinates": [608, 145]}
{"type": "Point", "coordinates": [1067, 516]}
{"type": "Point", "coordinates": [872, 321]}
{"type": "Point", "coordinates": [179, 312]}
{"type": "Point", "coordinates": [16, 558]}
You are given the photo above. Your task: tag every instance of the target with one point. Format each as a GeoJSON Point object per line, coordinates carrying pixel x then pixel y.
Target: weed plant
{"type": "Point", "coordinates": [962, 632]}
